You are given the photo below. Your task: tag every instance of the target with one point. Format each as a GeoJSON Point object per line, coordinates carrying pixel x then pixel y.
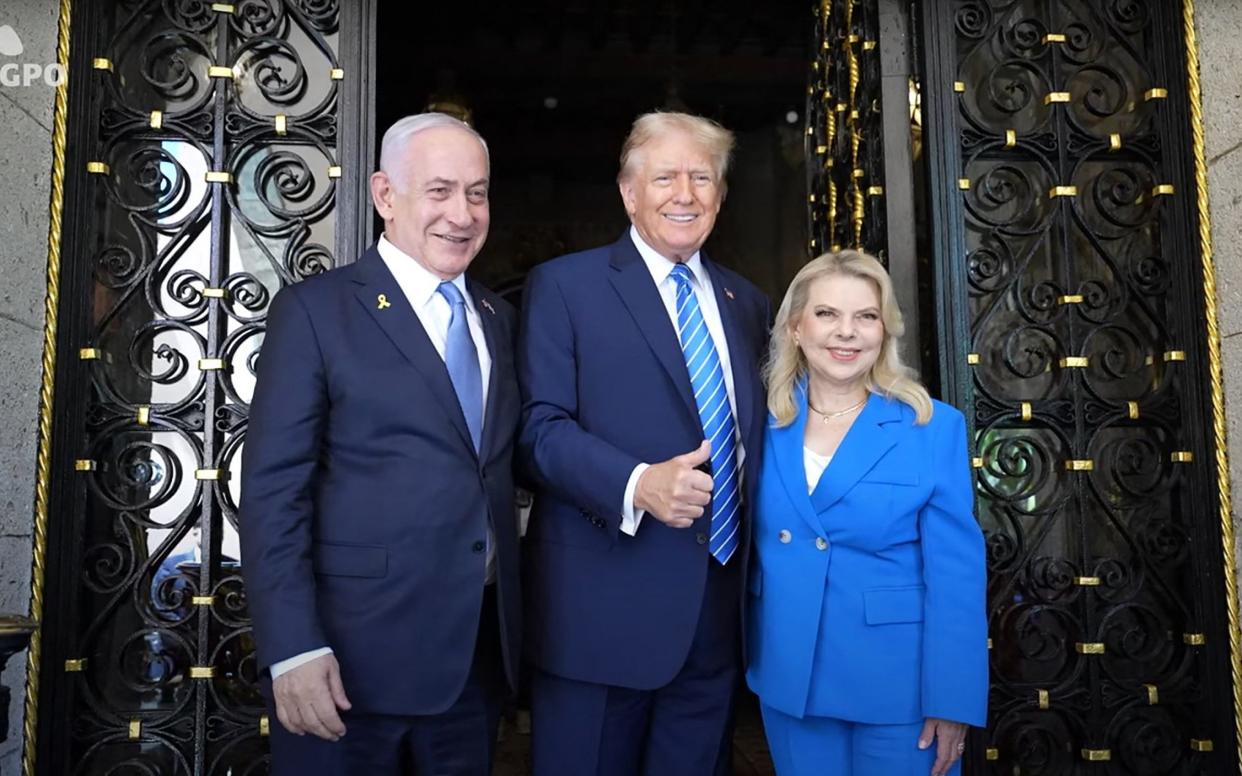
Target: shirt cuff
{"type": "Point", "coordinates": [285, 666]}
{"type": "Point", "coordinates": [631, 516]}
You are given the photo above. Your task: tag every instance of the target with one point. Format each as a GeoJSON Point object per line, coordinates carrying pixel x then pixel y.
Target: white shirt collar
{"type": "Point", "coordinates": [660, 267]}
{"type": "Point", "coordinates": [418, 283]}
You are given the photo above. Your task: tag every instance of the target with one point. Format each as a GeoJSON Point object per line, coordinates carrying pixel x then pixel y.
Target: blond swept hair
{"type": "Point", "coordinates": [786, 366]}
{"type": "Point", "coordinates": [717, 141]}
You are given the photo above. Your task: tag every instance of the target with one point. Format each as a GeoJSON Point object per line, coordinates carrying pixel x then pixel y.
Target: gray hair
{"type": "Point", "coordinates": [399, 134]}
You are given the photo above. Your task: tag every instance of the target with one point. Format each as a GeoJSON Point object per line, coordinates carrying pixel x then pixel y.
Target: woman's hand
{"type": "Point", "coordinates": [950, 742]}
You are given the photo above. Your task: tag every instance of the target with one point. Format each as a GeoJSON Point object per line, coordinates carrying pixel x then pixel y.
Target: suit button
{"type": "Point", "coordinates": [701, 538]}
{"type": "Point", "coordinates": [821, 543]}
{"type": "Point", "coordinates": [599, 522]}
{"type": "Point", "coordinates": [479, 546]}
{"type": "Point", "coordinates": [785, 536]}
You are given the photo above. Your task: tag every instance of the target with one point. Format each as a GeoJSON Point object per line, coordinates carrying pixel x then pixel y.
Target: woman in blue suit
{"type": "Point", "coordinates": [867, 632]}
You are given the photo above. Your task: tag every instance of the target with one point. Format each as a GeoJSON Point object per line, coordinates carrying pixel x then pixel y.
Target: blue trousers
{"type": "Point", "coordinates": [822, 746]}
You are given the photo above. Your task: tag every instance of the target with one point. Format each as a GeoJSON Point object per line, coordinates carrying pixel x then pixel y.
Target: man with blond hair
{"type": "Point", "coordinates": [377, 519]}
{"type": "Point", "coordinates": [642, 424]}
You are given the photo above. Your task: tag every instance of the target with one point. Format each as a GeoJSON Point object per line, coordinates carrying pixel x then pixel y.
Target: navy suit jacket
{"type": "Point", "coordinates": [867, 596]}
{"type": "Point", "coordinates": [365, 508]}
{"type": "Point", "coordinates": [604, 388]}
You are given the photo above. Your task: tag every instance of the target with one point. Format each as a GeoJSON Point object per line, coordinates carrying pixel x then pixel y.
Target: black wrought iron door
{"type": "Point", "coordinates": [1071, 326]}
{"type": "Point", "coordinates": [206, 170]}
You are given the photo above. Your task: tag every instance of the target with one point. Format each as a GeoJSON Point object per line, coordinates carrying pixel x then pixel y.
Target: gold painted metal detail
{"type": "Point", "coordinates": [102, 63]}
{"type": "Point", "coordinates": [336, 74]}
{"type": "Point", "coordinates": [202, 672]}
{"type": "Point", "coordinates": [1175, 355]}
{"type": "Point", "coordinates": [1075, 362]}
{"type": "Point", "coordinates": [963, 184]}
{"type": "Point", "coordinates": [334, 171]}
{"type": "Point", "coordinates": [841, 107]}
{"type": "Point", "coordinates": [1089, 648]}
{"type": "Point", "coordinates": [85, 465]}
{"type": "Point", "coordinates": [1070, 299]}
{"type": "Point", "coordinates": [1026, 411]}
{"type": "Point", "coordinates": [211, 474]}
{"type": "Point", "coordinates": [1054, 37]}
{"type": "Point", "coordinates": [219, 71]}
{"type": "Point", "coordinates": [144, 414]}
{"type": "Point", "coordinates": [1080, 465]}
{"type": "Point", "coordinates": [265, 727]}
{"type": "Point", "coordinates": [157, 119]}
{"type": "Point", "coordinates": [1011, 138]}
{"type": "Point", "coordinates": [135, 729]}
{"type": "Point", "coordinates": [1153, 694]}
{"type": "Point", "coordinates": [219, 176]}
{"type": "Point", "coordinates": [215, 293]}
{"type": "Point", "coordinates": [1162, 190]}
{"type": "Point", "coordinates": [1062, 191]}
{"type": "Point", "coordinates": [1201, 745]}
{"type": "Point", "coordinates": [1052, 97]}
{"type": "Point", "coordinates": [1155, 93]}
{"type": "Point", "coordinates": [1087, 581]}
{"type": "Point", "coordinates": [875, 191]}
{"type": "Point", "coordinates": [282, 124]}
{"type": "Point", "coordinates": [1044, 700]}
{"type": "Point", "coordinates": [858, 173]}
{"type": "Point", "coordinates": [223, 8]}
{"type": "Point", "coordinates": [212, 364]}
{"type": "Point", "coordinates": [992, 753]}
{"type": "Point", "coordinates": [972, 358]}
{"type": "Point", "coordinates": [959, 87]}
{"type": "Point", "coordinates": [1194, 639]}
{"type": "Point", "coordinates": [203, 600]}
{"type": "Point", "coordinates": [43, 459]}
{"type": "Point", "coordinates": [1182, 456]}
{"type": "Point", "coordinates": [989, 642]}
{"type": "Point", "coordinates": [1132, 410]}
{"type": "Point", "coordinates": [1215, 367]}
{"type": "Point", "coordinates": [976, 463]}
{"type": "Point", "coordinates": [821, 149]}
{"type": "Point", "coordinates": [98, 168]}
{"type": "Point", "coordinates": [868, 45]}
{"type": "Point", "coordinates": [1114, 142]}
{"type": "Point", "coordinates": [1097, 755]}
{"type": "Point", "coordinates": [76, 666]}
{"type": "Point", "coordinates": [90, 354]}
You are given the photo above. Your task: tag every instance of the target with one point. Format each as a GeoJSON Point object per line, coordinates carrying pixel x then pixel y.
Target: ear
{"type": "Point", "coordinates": [381, 194]}
{"type": "Point", "coordinates": [626, 187]}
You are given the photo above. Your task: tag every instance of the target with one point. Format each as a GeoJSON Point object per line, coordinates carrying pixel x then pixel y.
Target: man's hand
{"type": "Point", "coordinates": [674, 491]}
{"type": "Point", "coordinates": [308, 696]}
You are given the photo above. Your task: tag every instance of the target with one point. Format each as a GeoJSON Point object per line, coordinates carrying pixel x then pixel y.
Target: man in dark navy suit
{"type": "Point", "coordinates": [378, 530]}
{"type": "Point", "coordinates": [643, 416]}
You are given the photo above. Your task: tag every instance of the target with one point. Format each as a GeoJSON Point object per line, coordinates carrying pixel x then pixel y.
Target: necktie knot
{"type": "Point", "coordinates": [682, 274]}
{"type": "Point", "coordinates": [452, 293]}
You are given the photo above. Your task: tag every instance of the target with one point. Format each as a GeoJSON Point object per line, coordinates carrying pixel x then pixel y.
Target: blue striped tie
{"type": "Point", "coordinates": [712, 398]}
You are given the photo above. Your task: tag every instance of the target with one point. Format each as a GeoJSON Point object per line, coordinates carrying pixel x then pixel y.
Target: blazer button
{"type": "Point", "coordinates": [701, 538]}
{"type": "Point", "coordinates": [821, 543]}
{"type": "Point", "coordinates": [479, 546]}
{"type": "Point", "coordinates": [599, 522]}
{"type": "Point", "coordinates": [785, 536]}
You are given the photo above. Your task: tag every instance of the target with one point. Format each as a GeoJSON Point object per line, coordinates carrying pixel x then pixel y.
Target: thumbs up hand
{"type": "Point", "coordinates": [676, 491]}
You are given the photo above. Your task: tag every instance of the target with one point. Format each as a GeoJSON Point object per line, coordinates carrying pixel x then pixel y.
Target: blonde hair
{"type": "Point", "coordinates": [713, 138]}
{"type": "Point", "coordinates": [786, 366]}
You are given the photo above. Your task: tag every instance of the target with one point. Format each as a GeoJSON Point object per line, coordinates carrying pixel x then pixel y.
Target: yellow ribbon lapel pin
{"type": "Point", "coordinates": [381, 302]}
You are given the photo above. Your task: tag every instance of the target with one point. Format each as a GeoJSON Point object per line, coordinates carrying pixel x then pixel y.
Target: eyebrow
{"type": "Point", "coordinates": [448, 182]}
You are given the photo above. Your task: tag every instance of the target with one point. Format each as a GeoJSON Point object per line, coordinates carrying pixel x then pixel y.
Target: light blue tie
{"type": "Point", "coordinates": [712, 398]}
{"type": "Point", "coordinates": [462, 359]}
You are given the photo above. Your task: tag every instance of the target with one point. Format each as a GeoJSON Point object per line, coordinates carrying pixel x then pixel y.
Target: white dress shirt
{"type": "Point", "coordinates": [420, 288]}
{"type": "Point", "coordinates": [661, 270]}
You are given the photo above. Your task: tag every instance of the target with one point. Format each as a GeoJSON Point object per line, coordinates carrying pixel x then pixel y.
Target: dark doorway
{"type": "Point", "coordinates": [554, 88]}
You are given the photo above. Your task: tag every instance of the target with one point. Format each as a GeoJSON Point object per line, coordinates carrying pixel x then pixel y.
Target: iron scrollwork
{"type": "Point", "coordinates": [213, 184]}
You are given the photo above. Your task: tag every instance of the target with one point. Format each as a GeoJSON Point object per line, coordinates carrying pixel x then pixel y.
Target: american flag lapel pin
{"type": "Point", "coordinates": [488, 306]}
{"type": "Point", "coordinates": [728, 293]}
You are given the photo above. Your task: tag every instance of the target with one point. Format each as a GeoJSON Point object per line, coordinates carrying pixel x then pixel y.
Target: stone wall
{"type": "Point", "coordinates": [26, 162]}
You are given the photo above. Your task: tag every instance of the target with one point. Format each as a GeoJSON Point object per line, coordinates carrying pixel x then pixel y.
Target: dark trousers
{"type": "Point", "coordinates": [458, 742]}
{"type": "Point", "coordinates": [681, 729]}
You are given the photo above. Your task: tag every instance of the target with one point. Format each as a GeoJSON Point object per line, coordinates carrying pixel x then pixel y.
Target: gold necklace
{"type": "Point", "coordinates": [829, 415]}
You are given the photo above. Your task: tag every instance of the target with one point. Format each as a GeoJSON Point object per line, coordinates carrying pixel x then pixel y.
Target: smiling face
{"type": "Point", "coordinates": [435, 203]}
{"type": "Point", "coordinates": [840, 331]}
{"type": "Point", "coordinates": [673, 194]}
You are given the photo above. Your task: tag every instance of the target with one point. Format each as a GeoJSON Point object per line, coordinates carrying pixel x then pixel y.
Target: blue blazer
{"type": "Point", "coordinates": [605, 387]}
{"type": "Point", "coordinates": [365, 508]}
{"type": "Point", "coordinates": [867, 597]}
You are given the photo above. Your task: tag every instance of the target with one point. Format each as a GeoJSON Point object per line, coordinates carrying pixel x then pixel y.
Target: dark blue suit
{"type": "Point", "coordinates": [605, 387]}
{"type": "Point", "coordinates": [365, 508]}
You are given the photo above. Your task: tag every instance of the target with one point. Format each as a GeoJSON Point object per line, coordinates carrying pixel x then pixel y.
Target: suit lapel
{"type": "Point", "coordinates": [397, 319]}
{"type": "Point", "coordinates": [787, 445]}
{"type": "Point", "coordinates": [873, 434]}
{"type": "Point", "coordinates": [641, 297]}
{"type": "Point", "coordinates": [491, 335]}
